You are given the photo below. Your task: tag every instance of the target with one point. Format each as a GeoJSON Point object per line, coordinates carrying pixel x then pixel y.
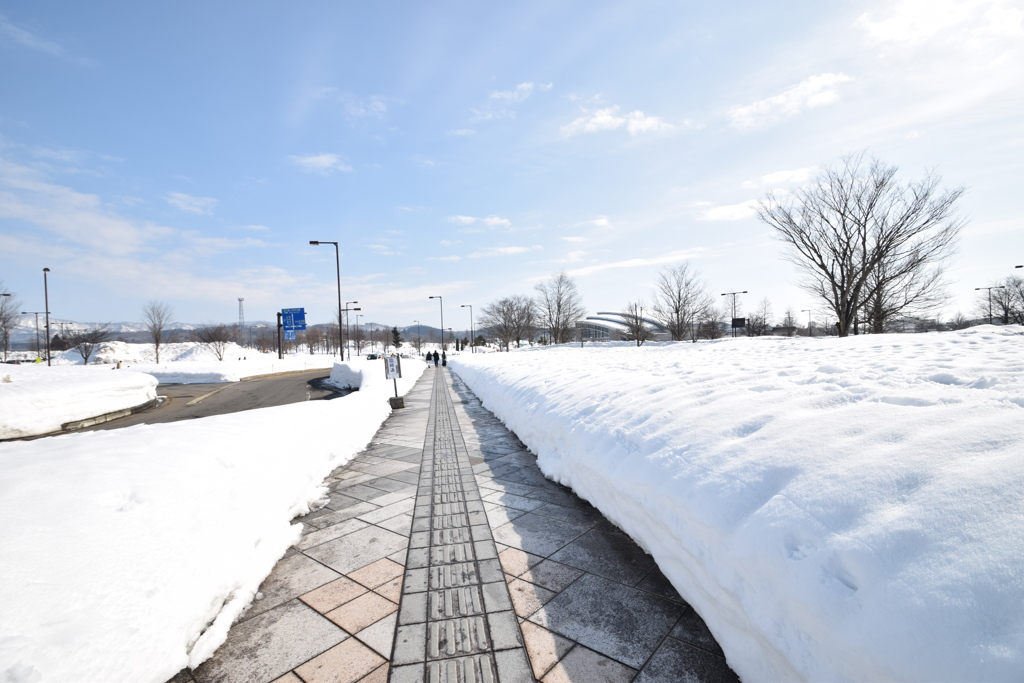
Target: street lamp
{"type": "Point", "coordinates": [472, 333]}
{"type": "Point", "coordinates": [441, 301]}
{"type": "Point", "coordinates": [337, 263]}
{"type": "Point", "coordinates": [46, 305]}
{"type": "Point", "coordinates": [347, 310]}
{"type": "Point", "coordinates": [346, 325]}
{"type": "Point", "coordinates": [419, 342]}
{"type": "Point", "coordinates": [733, 295]}
{"type": "Point", "coordinates": [359, 342]}
{"type": "Point", "coordinates": [989, 299]}
{"type": "Point", "coordinates": [37, 314]}
{"type": "Point", "coordinates": [810, 330]}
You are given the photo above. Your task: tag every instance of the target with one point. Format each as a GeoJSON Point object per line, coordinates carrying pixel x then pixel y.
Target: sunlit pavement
{"type": "Point", "coordinates": [445, 555]}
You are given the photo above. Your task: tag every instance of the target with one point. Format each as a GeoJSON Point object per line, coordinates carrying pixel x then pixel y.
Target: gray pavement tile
{"type": "Point", "coordinates": [512, 501]}
{"type": "Point", "coordinates": [358, 549]}
{"type": "Point", "coordinates": [527, 598]}
{"type": "Point", "coordinates": [515, 561]}
{"type": "Point", "coordinates": [410, 644]}
{"type": "Point", "coordinates": [657, 583]}
{"type": "Point", "coordinates": [381, 635]}
{"type": "Point", "coordinates": [268, 646]}
{"type": "Point", "coordinates": [408, 477]}
{"type": "Point", "coordinates": [544, 647]}
{"type": "Point", "coordinates": [513, 666]}
{"type": "Point", "coordinates": [290, 578]}
{"type": "Point", "coordinates": [612, 556]}
{"type": "Point", "coordinates": [344, 663]}
{"type": "Point", "coordinates": [504, 630]}
{"type": "Point", "coordinates": [317, 536]}
{"type": "Point", "coordinates": [614, 620]}
{"type": "Point", "coordinates": [340, 501]}
{"type": "Point", "coordinates": [677, 661]}
{"type": "Point", "coordinates": [387, 511]}
{"type": "Point", "coordinates": [400, 524]}
{"type": "Point", "coordinates": [363, 492]}
{"type": "Point", "coordinates": [536, 534]}
{"type": "Point", "coordinates": [582, 664]}
{"type": "Point", "coordinates": [339, 516]}
{"type": "Point", "coordinates": [388, 484]}
{"type": "Point", "coordinates": [692, 629]}
{"type": "Point", "coordinates": [551, 575]}
{"type": "Point", "coordinates": [583, 514]}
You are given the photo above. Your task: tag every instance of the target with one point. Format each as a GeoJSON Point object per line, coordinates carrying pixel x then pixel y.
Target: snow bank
{"type": "Point", "coordinates": [836, 509]}
{"type": "Point", "coordinates": [127, 554]}
{"type": "Point", "coordinates": [344, 376]}
{"type": "Point", "coordinates": [36, 399]}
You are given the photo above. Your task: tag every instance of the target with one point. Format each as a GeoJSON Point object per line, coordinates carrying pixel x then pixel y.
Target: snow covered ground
{"type": "Point", "coordinates": [36, 399]}
{"type": "Point", "coordinates": [127, 554]}
{"type": "Point", "coordinates": [836, 509]}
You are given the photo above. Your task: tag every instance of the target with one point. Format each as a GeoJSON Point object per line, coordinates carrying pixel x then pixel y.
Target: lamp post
{"type": "Point", "coordinates": [441, 301]}
{"type": "Point", "coordinates": [346, 325]}
{"type": "Point", "coordinates": [472, 333]}
{"type": "Point", "coordinates": [337, 263]}
{"type": "Point", "coordinates": [46, 305]}
{"type": "Point", "coordinates": [989, 299]}
{"type": "Point", "coordinates": [419, 342]}
{"type": "Point", "coordinates": [733, 295]}
{"type": "Point", "coordinates": [359, 342]}
{"type": "Point", "coordinates": [347, 310]}
{"type": "Point", "coordinates": [810, 330]}
{"type": "Point", "coordinates": [39, 353]}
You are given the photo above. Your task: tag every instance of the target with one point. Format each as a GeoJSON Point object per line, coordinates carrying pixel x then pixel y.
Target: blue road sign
{"type": "Point", "coordinates": [293, 318]}
{"type": "Point", "coordinates": [289, 335]}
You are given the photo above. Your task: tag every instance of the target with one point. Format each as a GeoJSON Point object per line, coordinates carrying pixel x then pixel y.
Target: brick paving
{"type": "Point", "coordinates": [445, 556]}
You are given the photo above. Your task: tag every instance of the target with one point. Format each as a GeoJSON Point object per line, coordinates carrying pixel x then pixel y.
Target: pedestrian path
{"type": "Point", "coordinates": [445, 556]}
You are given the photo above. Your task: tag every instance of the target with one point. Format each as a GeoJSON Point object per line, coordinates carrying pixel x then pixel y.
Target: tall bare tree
{"type": "Point", "coordinates": [157, 316]}
{"type": "Point", "coordinates": [511, 318]}
{"type": "Point", "coordinates": [1007, 302]}
{"type": "Point", "coordinates": [9, 306]}
{"type": "Point", "coordinates": [216, 336]}
{"type": "Point", "coordinates": [680, 299]}
{"type": "Point", "coordinates": [636, 328]}
{"type": "Point", "coordinates": [789, 323]}
{"type": "Point", "coordinates": [559, 307]}
{"type": "Point", "coordinates": [858, 234]}
{"type": "Point", "coordinates": [85, 341]}
{"type": "Point", "coordinates": [759, 322]}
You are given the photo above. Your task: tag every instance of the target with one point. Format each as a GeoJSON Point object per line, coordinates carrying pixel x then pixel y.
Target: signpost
{"type": "Point", "coordinates": [393, 371]}
{"type": "Point", "coordinates": [289, 320]}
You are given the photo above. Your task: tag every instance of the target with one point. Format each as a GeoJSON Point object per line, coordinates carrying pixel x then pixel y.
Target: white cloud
{"type": "Point", "coordinates": [449, 243]}
{"type": "Point", "coordinates": [732, 212]}
{"type": "Point", "coordinates": [797, 175]}
{"type": "Point", "coordinates": [463, 220]}
{"type": "Point", "coordinates": [816, 91]}
{"type": "Point", "coordinates": [973, 22]}
{"type": "Point", "coordinates": [575, 239]}
{"type": "Point", "coordinates": [496, 222]}
{"type": "Point", "coordinates": [320, 163]}
{"type": "Point", "coordinates": [600, 222]}
{"type": "Point", "coordinates": [28, 39]}
{"type": "Point", "coordinates": [189, 204]}
{"type": "Point", "coordinates": [503, 251]}
{"type": "Point", "coordinates": [518, 94]}
{"type": "Point", "coordinates": [670, 257]}
{"type": "Point", "coordinates": [462, 132]}
{"type": "Point", "coordinates": [635, 123]}
{"type": "Point", "coordinates": [260, 228]}
{"type": "Point", "coordinates": [499, 101]}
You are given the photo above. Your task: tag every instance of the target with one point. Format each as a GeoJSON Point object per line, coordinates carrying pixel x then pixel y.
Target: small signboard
{"type": "Point", "coordinates": [289, 335]}
{"type": "Point", "coordinates": [393, 367]}
{"type": "Point", "coordinates": [293, 319]}
{"type": "Point", "coordinates": [739, 322]}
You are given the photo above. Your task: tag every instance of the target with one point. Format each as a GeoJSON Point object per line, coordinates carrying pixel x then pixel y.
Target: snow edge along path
{"type": "Point", "coordinates": [836, 510]}
{"type": "Point", "coordinates": [128, 554]}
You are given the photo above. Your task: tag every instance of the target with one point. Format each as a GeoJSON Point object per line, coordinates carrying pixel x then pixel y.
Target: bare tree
{"type": "Point", "coordinates": [789, 323]}
{"type": "Point", "coordinates": [857, 234]}
{"type": "Point", "coordinates": [759, 323]}
{"type": "Point", "coordinates": [1007, 301]}
{"type": "Point", "coordinates": [9, 306]}
{"type": "Point", "coordinates": [559, 307]}
{"type": "Point", "coordinates": [157, 316]}
{"type": "Point", "coordinates": [711, 323]}
{"type": "Point", "coordinates": [680, 299]}
{"type": "Point", "coordinates": [636, 327]}
{"type": "Point", "coordinates": [511, 318]}
{"type": "Point", "coordinates": [959, 321]}
{"type": "Point", "coordinates": [86, 341]}
{"type": "Point", "coordinates": [217, 337]}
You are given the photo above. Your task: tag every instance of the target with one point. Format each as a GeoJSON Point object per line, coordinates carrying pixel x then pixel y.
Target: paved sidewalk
{"type": "Point", "coordinates": [446, 556]}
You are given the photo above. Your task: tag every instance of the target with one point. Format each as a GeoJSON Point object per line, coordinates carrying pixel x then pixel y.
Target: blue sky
{"type": "Point", "coordinates": [188, 152]}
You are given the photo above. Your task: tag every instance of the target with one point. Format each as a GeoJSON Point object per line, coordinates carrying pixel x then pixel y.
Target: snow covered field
{"type": "Point", "coordinates": [127, 554]}
{"type": "Point", "coordinates": [836, 509]}
{"type": "Point", "coordinates": [35, 399]}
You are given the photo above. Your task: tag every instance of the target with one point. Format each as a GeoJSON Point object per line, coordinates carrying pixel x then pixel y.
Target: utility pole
{"type": "Point", "coordinates": [472, 332]}
{"type": "Point", "coordinates": [46, 305]}
{"type": "Point", "coordinates": [976, 289]}
{"type": "Point", "coordinates": [733, 295]}
{"type": "Point", "coordinates": [441, 301]}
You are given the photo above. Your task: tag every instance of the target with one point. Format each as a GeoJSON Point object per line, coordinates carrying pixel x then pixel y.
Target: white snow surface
{"type": "Point", "coordinates": [36, 399]}
{"type": "Point", "coordinates": [127, 554]}
{"type": "Point", "coordinates": [835, 509]}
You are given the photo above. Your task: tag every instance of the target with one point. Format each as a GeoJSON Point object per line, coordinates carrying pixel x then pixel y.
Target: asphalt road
{"type": "Point", "coordinates": [192, 401]}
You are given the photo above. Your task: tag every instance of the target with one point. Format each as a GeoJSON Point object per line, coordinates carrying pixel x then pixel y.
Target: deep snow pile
{"type": "Point", "coordinates": [36, 399]}
{"type": "Point", "coordinates": [127, 554]}
{"type": "Point", "coordinates": [193, 362]}
{"type": "Point", "coordinates": [836, 509]}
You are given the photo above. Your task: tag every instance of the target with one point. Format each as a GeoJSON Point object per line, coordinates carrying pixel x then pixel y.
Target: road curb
{"type": "Point", "coordinates": [107, 417]}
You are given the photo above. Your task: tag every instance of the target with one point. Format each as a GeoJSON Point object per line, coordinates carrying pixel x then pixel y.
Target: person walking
{"type": "Point", "coordinates": [436, 358]}
{"type": "Point", "coordinates": [444, 358]}
{"type": "Point", "coordinates": [429, 358]}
